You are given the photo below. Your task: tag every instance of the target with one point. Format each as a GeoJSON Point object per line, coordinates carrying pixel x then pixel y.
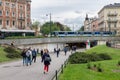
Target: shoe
{"type": "Point", "coordinates": [44, 72]}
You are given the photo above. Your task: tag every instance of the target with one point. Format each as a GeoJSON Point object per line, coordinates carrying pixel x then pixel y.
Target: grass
{"type": "Point", "coordinates": [80, 71]}
{"type": "Point", "coordinates": [22, 37]}
{"type": "Point", "coordinates": [3, 54]}
{"type": "Point", "coordinates": [114, 53]}
{"type": "Point", "coordinates": [3, 57]}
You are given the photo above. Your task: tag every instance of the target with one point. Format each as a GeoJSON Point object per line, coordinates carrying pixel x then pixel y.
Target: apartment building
{"type": "Point", "coordinates": [15, 14]}
{"type": "Point", "coordinates": [109, 18]}
{"type": "Point", "coordinates": [91, 24]}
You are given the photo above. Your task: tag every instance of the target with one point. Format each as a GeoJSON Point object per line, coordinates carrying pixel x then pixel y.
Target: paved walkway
{"type": "Point", "coordinates": [16, 71]}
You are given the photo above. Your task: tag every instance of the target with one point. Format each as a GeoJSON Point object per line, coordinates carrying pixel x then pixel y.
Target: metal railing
{"type": "Point", "coordinates": [61, 70]}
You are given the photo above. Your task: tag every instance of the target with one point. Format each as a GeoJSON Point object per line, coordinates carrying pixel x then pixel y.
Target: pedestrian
{"type": "Point", "coordinates": [46, 59]}
{"type": "Point", "coordinates": [54, 50]}
{"type": "Point", "coordinates": [58, 51]}
{"type": "Point", "coordinates": [23, 54]}
{"type": "Point", "coordinates": [37, 51]}
{"type": "Point", "coordinates": [65, 50]}
{"type": "Point", "coordinates": [75, 47]}
{"type": "Point", "coordinates": [41, 53]}
{"type": "Point", "coordinates": [12, 43]}
{"type": "Point", "coordinates": [28, 56]}
{"type": "Point", "coordinates": [34, 54]}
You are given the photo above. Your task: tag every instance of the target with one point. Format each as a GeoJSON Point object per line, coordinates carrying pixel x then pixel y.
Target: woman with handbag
{"type": "Point", "coordinates": [46, 59]}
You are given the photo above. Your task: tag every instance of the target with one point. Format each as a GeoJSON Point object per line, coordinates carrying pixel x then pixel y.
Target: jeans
{"type": "Point", "coordinates": [24, 60]}
{"type": "Point", "coordinates": [28, 60]}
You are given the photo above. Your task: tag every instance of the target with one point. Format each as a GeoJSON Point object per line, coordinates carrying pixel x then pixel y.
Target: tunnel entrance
{"type": "Point", "coordinates": [82, 44]}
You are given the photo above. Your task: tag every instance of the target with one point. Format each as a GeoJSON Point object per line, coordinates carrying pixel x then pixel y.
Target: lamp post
{"type": "Point", "coordinates": [50, 23]}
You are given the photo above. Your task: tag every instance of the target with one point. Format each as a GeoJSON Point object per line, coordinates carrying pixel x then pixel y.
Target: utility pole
{"type": "Point", "coordinates": [50, 26]}
{"type": "Point", "coordinates": [50, 23]}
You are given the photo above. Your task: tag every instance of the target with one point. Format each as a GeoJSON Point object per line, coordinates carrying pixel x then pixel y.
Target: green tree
{"type": "Point", "coordinates": [81, 29]}
{"type": "Point", "coordinates": [55, 26]}
{"type": "Point", "coordinates": [66, 28]}
{"type": "Point", "coordinates": [35, 25]}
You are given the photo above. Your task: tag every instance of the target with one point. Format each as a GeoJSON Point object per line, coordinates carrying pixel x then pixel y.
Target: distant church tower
{"type": "Point", "coordinates": [86, 23]}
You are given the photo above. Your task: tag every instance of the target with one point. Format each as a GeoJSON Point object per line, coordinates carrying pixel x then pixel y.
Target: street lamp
{"type": "Point", "coordinates": [105, 26]}
{"type": "Point", "coordinates": [50, 23]}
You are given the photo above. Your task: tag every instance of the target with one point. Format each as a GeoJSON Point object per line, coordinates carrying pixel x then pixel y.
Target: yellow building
{"type": "Point", "coordinates": [109, 18]}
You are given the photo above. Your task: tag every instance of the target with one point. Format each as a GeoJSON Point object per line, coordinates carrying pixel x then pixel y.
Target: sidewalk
{"type": "Point", "coordinates": [16, 71]}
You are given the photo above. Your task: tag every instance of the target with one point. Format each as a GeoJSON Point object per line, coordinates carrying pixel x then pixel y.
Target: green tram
{"type": "Point", "coordinates": [9, 33]}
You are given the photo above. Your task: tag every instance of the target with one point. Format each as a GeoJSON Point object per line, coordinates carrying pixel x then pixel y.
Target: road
{"type": "Point", "coordinates": [16, 71]}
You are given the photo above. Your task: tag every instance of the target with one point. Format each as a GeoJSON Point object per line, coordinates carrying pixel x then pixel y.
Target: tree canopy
{"type": "Point", "coordinates": [55, 26]}
{"type": "Point", "coordinates": [35, 25]}
{"type": "Point", "coordinates": [81, 29]}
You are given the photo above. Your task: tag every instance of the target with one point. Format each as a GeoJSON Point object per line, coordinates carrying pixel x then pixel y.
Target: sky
{"type": "Point", "coordinates": [67, 12]}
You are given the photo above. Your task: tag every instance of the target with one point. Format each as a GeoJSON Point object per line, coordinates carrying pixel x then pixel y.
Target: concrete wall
{"type": "Point", "coordinates": [101, 42]}
{"type": "Point", "coordinates": [57, 40]}
{"type": "Point", "coordinates": [48, 46]}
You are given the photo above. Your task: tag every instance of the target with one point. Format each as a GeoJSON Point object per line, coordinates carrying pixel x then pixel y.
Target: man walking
{"type": "Point", "coordinates": [34, 54]}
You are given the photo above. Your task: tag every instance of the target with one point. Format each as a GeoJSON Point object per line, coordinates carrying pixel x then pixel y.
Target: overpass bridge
{"type": "Point", "coordinates": [57, 40]}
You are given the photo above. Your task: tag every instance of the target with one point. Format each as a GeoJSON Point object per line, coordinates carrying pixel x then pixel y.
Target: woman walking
{"type": "Point", "coordinates": [47, 59]}
{"type": "Point", "coordinates": [23, 54]}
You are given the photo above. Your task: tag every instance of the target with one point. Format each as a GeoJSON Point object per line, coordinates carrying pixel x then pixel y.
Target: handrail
{"type": "Point", "coordinates": [57, 72]}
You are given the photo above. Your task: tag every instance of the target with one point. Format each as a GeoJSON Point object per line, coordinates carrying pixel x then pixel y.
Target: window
{"type": "Point", "coordinates": [0, 3]}
{"type": "Point", "coordinates": [0, 12]}
{"type": "Point", "coordinates": [13, 23]}
{"type": "Point", "coordinates": [109, 12]}
{"type": "Point", "coordinates": [0, 21]}
{"type": "Point", "coordinates": [20, 15]}
{"type": "Point", "coordinates": [7, 4]}
{"type": "Point", "coordinates": [115, 25]}
{"type": "Point", "coordinates": [28, 16]}
{"type": "Point", "coordinates": [27, 24]}
{"type": "Point", "coordinates": [28, 8]}
{"type": "Point", "coordinates": [13, 5]}
{"type": "Point", "coordinates": [21, 7]}
{"type": "Point", "coordinates": [7, 22]}
{"type": "Point", "coordinates": [7, 13]}
{"type": "Point", "coordinates": [13, 14]}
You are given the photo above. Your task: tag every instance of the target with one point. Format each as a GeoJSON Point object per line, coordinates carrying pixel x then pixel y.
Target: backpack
{"type": "Point", "coordinates": [47, 58]}
{"type": "Point", "coordinates": [33, 53]}
{"type": "Point", "coordinates": [28, 53]}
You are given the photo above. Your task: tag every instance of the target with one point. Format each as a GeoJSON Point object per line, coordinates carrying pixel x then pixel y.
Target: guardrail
{"type": "Point", "coordinates": [61, 70]}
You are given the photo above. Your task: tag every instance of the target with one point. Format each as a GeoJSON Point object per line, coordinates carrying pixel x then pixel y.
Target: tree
{"type": "Point", "coordinates": [55, 26]}
{"type": "Point", "coordinates": [36, 27]}
{"type": "Point", "coordinates": [81, 29]}
{"type": "Point", "coordinates": [66, 28]}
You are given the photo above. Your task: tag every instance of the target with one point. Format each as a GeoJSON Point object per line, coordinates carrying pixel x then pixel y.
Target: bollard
{"type": "Point", "coordinates": [65, 64]}
{"type": "Point", "coordinates": [56, 75]}
{"type": "Point", "coordinates": [62, 68]}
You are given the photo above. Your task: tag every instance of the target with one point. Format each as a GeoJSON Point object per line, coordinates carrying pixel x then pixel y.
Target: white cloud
{"type": "Point", "coordinates": [67, 11]}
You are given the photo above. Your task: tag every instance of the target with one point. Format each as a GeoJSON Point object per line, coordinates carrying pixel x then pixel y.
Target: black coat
{"type": "Point", "coordinates": [43, 59]}
{"type": "Point", "coordinates": [23, 54]}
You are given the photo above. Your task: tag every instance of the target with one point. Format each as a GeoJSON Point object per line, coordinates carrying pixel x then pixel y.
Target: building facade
{"type": "Point", "coordinates": [15, 14]}
{"type": "Point", "coordinates": [109, 18]}
{"type": "Point", "coordinates": [90, 24]}
{"type": "Point", "coordinates": [94, 24]}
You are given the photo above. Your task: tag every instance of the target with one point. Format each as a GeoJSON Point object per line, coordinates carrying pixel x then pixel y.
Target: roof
{"type": "Point", "coordinates": [115, 5]}
{"type": "Point", "coordinates": [5, 30]}
{"type": "Point", "coordinates": [28, 0]}
{"type": "Point", "coordinates": [112, 5]}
